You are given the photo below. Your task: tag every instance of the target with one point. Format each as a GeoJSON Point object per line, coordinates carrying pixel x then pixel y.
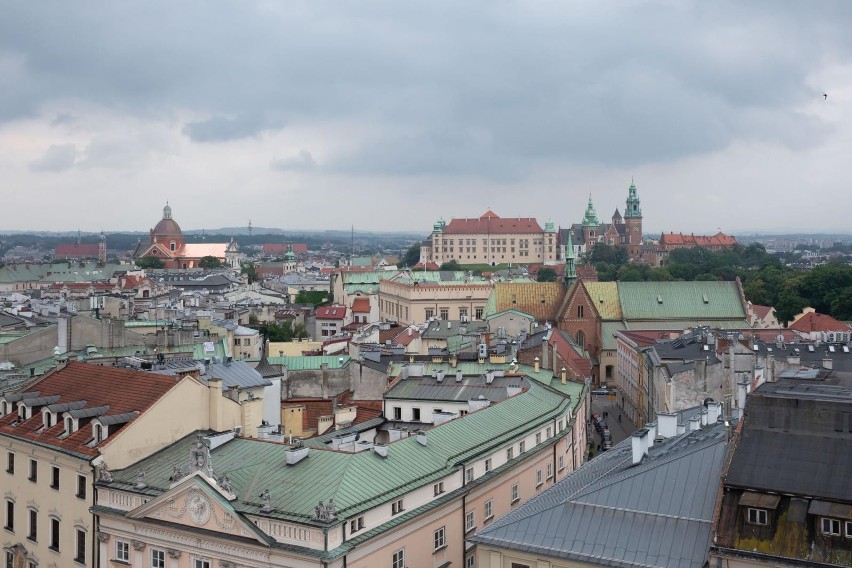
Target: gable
{"type": "Point", "coordinates": [156, 249]}
{"type": "Point", "coordinates": [195, 503]}
{"type": "Point", "coordinates": [579, 296]}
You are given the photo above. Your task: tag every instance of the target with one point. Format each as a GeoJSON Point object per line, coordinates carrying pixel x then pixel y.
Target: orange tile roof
{"type": "Point", "coordinates": [74, 250]}
{"type": "Point", "coordinates": [491, 223]}
{"type": "Point", "coordinates": [331, 312]}
{"type": "Point", "coordinates": [679, 239]}
{"type": "Point", "coordinates": [539, 299]}
{"type": "Point", "coordinates": [121, 390]}
{"type": "Point", "coordinates": [361, 305]}
{"type": "Point", "coordinates": [813, 321]}
{"type": "Point", "coordinates": [761, 311]}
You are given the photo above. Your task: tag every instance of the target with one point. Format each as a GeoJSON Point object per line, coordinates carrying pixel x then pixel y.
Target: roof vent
{"type": "Point", "coordinates": [296, 454]}
{"type": "Point", "coordinates": [421, 438]}
{"type": "Point", "coordinates": [659, 299]}
{"type": "Point", "coordinates": [381, 449]}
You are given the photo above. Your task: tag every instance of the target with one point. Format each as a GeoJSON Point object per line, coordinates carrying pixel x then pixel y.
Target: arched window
{"type": "Point", "coordinates": [69, 425]}
{"type": "Point", "coordinates": [581, 339]}
{"type": "Point", "coordinates": [172, 246]}
{"type": "Point", "coordinates": [580, 311]}
{"type": "Point", "coordinates": [99, 433]}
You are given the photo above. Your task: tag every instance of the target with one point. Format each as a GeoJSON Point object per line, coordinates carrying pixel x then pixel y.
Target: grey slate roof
{"type": "Point", "coordinates": [790, 441]}
{"type": "Point", "coordinates": [470, 388]}
{"type": "Point", "coordinates": [236, 374]}
{"type": "Point", "coordinates": [439, 329]}
{"type": "Point", "coordinates": [611, 513]}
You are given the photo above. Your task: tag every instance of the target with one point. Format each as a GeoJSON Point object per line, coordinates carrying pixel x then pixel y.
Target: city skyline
{"type": "Point", "coordinates": [389, 116]}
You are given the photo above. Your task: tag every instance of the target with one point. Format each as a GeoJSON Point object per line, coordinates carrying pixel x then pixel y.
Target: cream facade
{"type": "Point", "coordinates": [409, 503]}
{"type": "Point", "coordinates": [411, 301]}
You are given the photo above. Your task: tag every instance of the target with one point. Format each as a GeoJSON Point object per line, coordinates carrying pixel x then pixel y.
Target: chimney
{"type": "Point", "coordinates": [639, 441]}
{"type": "Point", "coordinates": [440, 376]}
{"type": "Point", "coordinates": [536, 364]}
{"type": "Point", "coordinates": [489, 377]}
{"type": "Point", "coordinates": [742, 391]}
{"type": "Point", "coordinates": [454, 361]}
{"type": "Point", "coordinates": [459, 376]}
{"type": "Point", "coordinates": [296, 454]}
{"type": "Point", "coordinates": [704, 418]}
{"type": "Point", "coordinates": [695, 424]}
{"type": "Point", "coordinates": [826, 361]}
{"type": "Point", "coordinates": [564, 375]}
{"type": "Point", "coordinates": [667, 424]}
{"type": "Point", "coordinates": [652, 433]}
{"type": "Point", "coordinates": [381, 449]}
{"type": "Point", "coordinates": [713, 412]}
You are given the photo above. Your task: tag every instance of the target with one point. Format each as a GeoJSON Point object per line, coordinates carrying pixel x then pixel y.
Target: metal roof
{"type": "Point", "coordinates": [680, 300]}
{"type": "Point", "coordinates": [612, 513]}
{"type": "Point", "coordinates": [470, 388]}
{"type": "Point", "coordinates": [310, 362]}
{"type": "Point", "coordinates": [236, 374]}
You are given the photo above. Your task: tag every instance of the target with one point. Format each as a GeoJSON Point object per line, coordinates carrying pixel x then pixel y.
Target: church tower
{"type": "Point", "coordinates": [633, 221]}
{"type": "Point", "coordinates": [591, 227]}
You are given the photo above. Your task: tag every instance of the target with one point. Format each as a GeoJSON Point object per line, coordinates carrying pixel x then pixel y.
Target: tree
{"type": "Point", "coordinates": [412, 255]}
{"type": "Point", "coordinates": [546, 274]}
{"type": "Point", "coordinates": [149, 262]}
{"type": "Point", "coordinates": [450, 265]}
{"type": "Point", "coordinates": [250, 270]}
{"type": "Point", "coordinates": [209, 262]}
{"type": "Point", "coordinates": [313, 297]}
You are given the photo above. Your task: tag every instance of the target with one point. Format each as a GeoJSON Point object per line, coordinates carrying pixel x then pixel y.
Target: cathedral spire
{"type": "Point", "coordinates": [633, 208]}
{"type": "Point", "coordinates": [591, 217]}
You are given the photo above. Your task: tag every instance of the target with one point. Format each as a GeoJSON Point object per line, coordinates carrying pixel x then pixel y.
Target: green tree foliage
{"type": "Point", "coordinates": [412, 255]}
{"type": "Point", "coordinates": [149, 262]}
{"type": "Point", "coordinates": [546, 275]}
{"type": "Point", "coordinates": [286, 332]}
{"type": "Point", "coordinates": [209, 262]}
{"type": "Point", "coordinates": [609, 254]}
{"type": "Point", "coordinates": [451, 265]}
{"type": "Point", "coordinates": [250, 270]}
{"type": "Point", "coordinates": [313, 297]}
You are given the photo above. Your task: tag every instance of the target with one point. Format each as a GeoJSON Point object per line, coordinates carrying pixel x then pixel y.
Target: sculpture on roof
{"type": "Point", "coordinates": [140, 480]}
{"type": "Point", "coordinates": [265, 500]}
{"type": "Point", "coordinates": [103, 473]}
{"type": "Point", "coordinates": [199, 456]}
{"type": "Point", "coordinates": [325, 513]}
{"type": "Point", "coordinates": [177, 473]}
{"type": "Point", "coordinates": [225, 484]}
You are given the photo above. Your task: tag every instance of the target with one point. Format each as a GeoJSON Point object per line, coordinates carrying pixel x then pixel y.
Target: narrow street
{"type": "Point", "coordinates": [620, 430]}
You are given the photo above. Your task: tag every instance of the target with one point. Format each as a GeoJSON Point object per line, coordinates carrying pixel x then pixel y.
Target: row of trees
{"type": "Point", "coordinates": [766, 280]}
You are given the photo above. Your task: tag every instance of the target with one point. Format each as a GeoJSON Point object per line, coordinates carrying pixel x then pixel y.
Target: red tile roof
{"type": "Point", "coordinates": [361, 306]}
{"type": "Point", "coordinates": [491, 223]}
{"type": "Point", "coordinates": [587, 272]}
{"type": "Point", "coordinates": [679, 239]}
{"type": "Point", "coordinates": [121, 390]}
{"type": "Point", "coordinates": [813, 321]}
{"type": "Point", "coordinates": [331, 312]}
{"type": "Point", "coordinates": [761, 311]}
{"type": "Point", "coordinates": [73, 250]}
{"type": "Point", "coordinates": [429, 266]}
{"type": "Point", "coordinates": [281, 248]}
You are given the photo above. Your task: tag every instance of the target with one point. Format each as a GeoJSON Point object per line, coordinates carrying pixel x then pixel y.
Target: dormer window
{"type": "Point", "coordinates": [47, 419]}
{"type": "Point", "coordinates": [757, 516]}
{"type": "Point", "coordinates": [69, 426]}
{"type": "Point", "coordinates": [99, 432]}
{"type": "Point", "coordinates": [4, 408]}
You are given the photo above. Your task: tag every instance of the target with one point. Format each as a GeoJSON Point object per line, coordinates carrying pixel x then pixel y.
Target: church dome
{"type": "Point", "coordinates": [167, 227]}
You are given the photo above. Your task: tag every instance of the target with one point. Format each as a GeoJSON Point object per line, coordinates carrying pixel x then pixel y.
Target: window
{"type": "Point", "coordinates": [158, 558]}
{"type": "Point", "coordinates": [398, 559]}
{"type": "Point", "coordinates": [538, 480]}
{"type": "Point", "coordinates": [54, 477]}
{"type": "Point", "coordinates": [470, 521]}
{"type": "Point", "coordinates": [396, 507]}
{"type": "Point", "coordinates": [445, 313]}
{"type": "Point", "coordinates": [201, 563]}
{"type": "Point", "coordinates": [848, 529]}
{"type": "Point", "coordinates": [537, 438]}
{"type": "Point", "coordinates": [470, 561]}
{"type": "Point", "coordinates": [430, 313]}
{"type": "Point", "coordinates": [54, 533]}
{"type": "Point", "coordinates": [757, 516]}
{"type": "Point", "coordinates": [438, 487]}
{"type": "Point", "coordinates": [415, 415]}
{"type": "Point", "coordinates": [519, 565]}
{"type": "Point", "coordinates": [33, 471]}
{"type": "Point", "coordinates": [549, 432]}
{"type": "Point", "coordinates": [10, 462]}
{"type": "Point", "coordinates": [122, 551]}
{"type": "Point", "coordinates": [489, 510]}
{"type": "Point", "coordinates": [487, 465]}
{"type": "Point", "coordinates": [522, 447]}
{"type": "Point", "coordinates": [397, 413]}
{"type": "Point", "coordinates": [33, 532]}
{"type": "Point", "coordinates": [516, 495]}
{"type": "Point", "coordinates": [440, 538]}
{"type": "Point", "coordinates": [356, 524]}
{"type": "Point", "coordinates": [462, 313]}
{"type": "Point", "coordinates": [10, 515]}
{"type": "Point", "coordinates": [509, 452]}
{"type": "Point", "coordinates": [10, 560]}
{"type": "Point", "coordinates": [549, 471]}
{"type": "Point", "coordinates": [81, 486]}
{"type": "Point", "coordinates": [80, 546]}
{"type": "Point", "coordinates": [468, 475]}
{"type": "Point", "coordinates": [580, 311]}
{"type": "Point", "coordinates": [561, 463]}
{"type": "Point", "coordinates": [830, 526]}
{"type": "Point", "coordinates": [581, 339]}
{"type": "Point", "coordinates": [479, 312]}
{"type": "Point", "coordinates": [560, 426]}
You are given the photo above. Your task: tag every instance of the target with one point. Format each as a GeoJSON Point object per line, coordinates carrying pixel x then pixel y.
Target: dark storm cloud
{"type": "Point", "coordinates": [57, 158]}
{"type": "Point", "coordinates": [475, 88]}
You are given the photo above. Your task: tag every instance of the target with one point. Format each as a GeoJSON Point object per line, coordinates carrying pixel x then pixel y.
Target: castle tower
{"type": "Point", "coordinates": [590, 226]}
{"type": "Point", "coordinates": [102, 249]}
{"type": "Point", "coordinates": [633, 221]}
{"type": "Point", "coordinates": [570, 269]}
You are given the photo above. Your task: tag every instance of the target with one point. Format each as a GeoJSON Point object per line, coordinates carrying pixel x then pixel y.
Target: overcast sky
{"type": "Point", "coordinates": [388, 114]}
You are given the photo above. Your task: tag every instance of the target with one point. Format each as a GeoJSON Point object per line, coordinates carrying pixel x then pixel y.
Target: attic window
{"type": "Point", "coordinates": [659, 299]}
{"type": "Point", "coordinates": [69, 426]}
{"type": "Point", "coordinates": [99, 432]}
{"type": "Point", "coordinates": [757, 516]}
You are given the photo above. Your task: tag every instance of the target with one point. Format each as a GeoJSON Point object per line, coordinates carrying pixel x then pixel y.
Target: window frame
{"type": "Point", "coordinates": [539, 481]}
{"type": "Point", "coordinates": [79, 545]}
{"type": "Point", "coordinates": [470, 521]}
{"type": "Point", "coordinates": [33, 472]}
{"type": "Point", "coordinates": [201, 563]}
{"type": "Point", "coordinates": [397, 506]}
{"type": "Point", "coordinates": [487, 465]}
{"type": "Point", "coordinates": [356, 524]}
{"type": "Point", "coordinates": [32, 524]}
{"type": "Point", "coordinates": [10, 463]}
{"type": "Point", "coordinates": [516, 493]}
{"type": "Point", "coordinates": [440, 539]}
{"type": "Point", "coordinates": [9, 522]}
{"type": "Point", "coordinates": [398, 559]}
{"type": "Point", "coordinates": [122, 551]}
{"type": "Point", "coordinates": [832, 522]}
{"type": "Point", "coordinates": [488, 510]}
{"type": "Point", "coordinates": [55, 529]}
{"type": "Point", "coordinates": [155, 561]}
{"type": "Point", "coordinates": [82, 486]}
{"type": "Point", "coordinates": [468, 475]}
{"type": "Point", "coordinates": [54, 477]}
{"type": "Point", "coordinates": [438, 488]}
{"type": "Point", "coordinates": [756, 516]}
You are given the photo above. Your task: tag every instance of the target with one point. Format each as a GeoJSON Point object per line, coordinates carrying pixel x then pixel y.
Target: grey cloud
{"type": "Point", "coordinates": [57, 158]}
{"type": "Point", "coordinates": [482, 89]}
{"type": "Point", "coordinates": [63, 118]}
{"type": "Point", "coordinates": [301, 162]}
{"type": "Point", "coordinates": [222, 129]}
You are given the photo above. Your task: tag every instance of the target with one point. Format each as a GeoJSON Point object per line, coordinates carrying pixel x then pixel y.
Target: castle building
{"type": "Point", "coordinates": [623, 231]}
{"type": "Point", "coordinates": [491, 239]}
{"type": "Point", "coordinates": [168, 244]}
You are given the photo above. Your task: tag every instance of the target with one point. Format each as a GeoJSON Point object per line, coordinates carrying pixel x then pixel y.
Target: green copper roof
{"type": "Point", "coordinates": [680, 300]}
{"type": "Point", "coordinates": [310, 362]}
{"type": "Point", "coordinates": [591, 217]}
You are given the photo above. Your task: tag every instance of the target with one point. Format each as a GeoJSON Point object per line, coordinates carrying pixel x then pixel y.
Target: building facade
{"type": "Point", "coordinates": [417, 297]}
{"type": "Point", "coordinates": [491, 239]}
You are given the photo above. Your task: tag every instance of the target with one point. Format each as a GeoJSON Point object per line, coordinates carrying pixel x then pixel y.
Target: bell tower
{"type": "Point", "coordinates": [633, 222]}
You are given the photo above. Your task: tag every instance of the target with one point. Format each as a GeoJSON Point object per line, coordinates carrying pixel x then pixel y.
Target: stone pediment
{"type": "Point", "coordinates": [195, 503]}
{"type": "Point", "coordinates": [161, 251]}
